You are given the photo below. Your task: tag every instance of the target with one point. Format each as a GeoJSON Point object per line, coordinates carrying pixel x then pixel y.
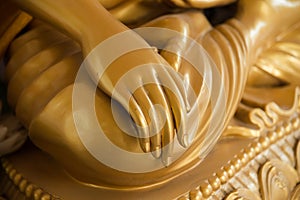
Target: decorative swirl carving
{"type": "Point", "coordinates": [243, 194]}
{"type": "Point", "coordinates": [275, 144]}
{"type": "Point", "coordinates": [272, 114]}
{"type": "Point", "coordinates": [277, 180]}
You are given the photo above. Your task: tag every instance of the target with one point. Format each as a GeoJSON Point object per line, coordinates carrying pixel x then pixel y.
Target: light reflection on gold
{"type": "Point", "coordinates": [251, 41]}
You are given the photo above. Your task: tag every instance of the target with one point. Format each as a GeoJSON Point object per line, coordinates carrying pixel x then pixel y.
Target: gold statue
{"type": "Point", "coordinates": [47, 70]}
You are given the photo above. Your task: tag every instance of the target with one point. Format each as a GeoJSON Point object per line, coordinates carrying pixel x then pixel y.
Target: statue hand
{"type": "Point", "coordinates": [84, 22]}
{"type": "Point", "coordinates": [144, 84]}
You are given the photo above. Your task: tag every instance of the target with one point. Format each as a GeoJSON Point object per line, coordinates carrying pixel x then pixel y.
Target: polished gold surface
{"type": "Point", "coordinates": [278, 180]}
{"type": "Point", "coordinates": [61, 184]}
{"type": "Point", "coordinates": [266, 169]}
{"type": "Point", "coordinates": [253, 169]}
{"type": "Point", "coordinates": [256, 54]}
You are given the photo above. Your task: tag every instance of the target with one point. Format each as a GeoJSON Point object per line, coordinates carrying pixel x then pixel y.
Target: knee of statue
{"type": "Point", "coordinates": [88, 132]}
{"type": "Point", "coordinates": [120, 156]}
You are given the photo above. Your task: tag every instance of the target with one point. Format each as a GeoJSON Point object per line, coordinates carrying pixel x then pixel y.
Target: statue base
{"type": "Point", "coordinates": [264, 166]}
{"type": "Point", "coordinates": [30, 173]}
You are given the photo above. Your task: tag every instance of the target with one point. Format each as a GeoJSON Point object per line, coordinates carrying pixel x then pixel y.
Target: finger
{"type": "Point", "coordinates": [171, 82]}
{"type": "Point", "coordinates": [192, 82]}
{"type": "Point", "coordinates": [146, 105]}
{"type": "Point", "coordinates": [141, 124]}
{"type": "Point", "coordinates": [180, 116]}
{"type": "Point", "coordinates": [163, 123]}
{"type": "Point", "coordinates": [179, 111]}
{"type": "Point", "coordinates": [175, 62]}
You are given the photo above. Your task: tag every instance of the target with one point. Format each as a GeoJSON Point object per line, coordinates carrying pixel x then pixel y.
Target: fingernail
{"type": "Point", "coordinates": [167, 153]}
{"type": "Point", "coordinates": [147, 146]}
{"type": "Point", "coordinates": [157, 152]}
{"type": "Point", "coordinates": [166, 161]}
{"type": "Point", "coordinates": [186, 141]}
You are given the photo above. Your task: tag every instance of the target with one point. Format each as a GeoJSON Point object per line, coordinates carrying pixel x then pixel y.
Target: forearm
{"type": "Point", "coordinates": [78, 19]}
